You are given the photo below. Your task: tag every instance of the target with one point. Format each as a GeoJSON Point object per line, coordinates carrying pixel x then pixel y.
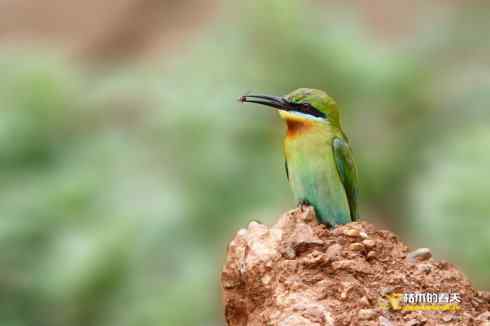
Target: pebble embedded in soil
{"type": "Point", "coordinates": [356, 246]}
{"type": "Point", "coordinates": [369, 243]}
{"type": "Point", "coordinates": [419, 254]}
{"type": "Point", "coordinates": [484, 316]}
{"type": "Point", "coordinates": [365, 314]}
{"type": "Point", "coordinates": [364, 301]}
{"type": "Point", "coordinates": [383, 321]}
{"type": "Point", "coordinates": [352, 233]}
{"type": "Point", "coordinates": [333, 251]}
{"type": "Point", "coordinates": [371, 254]}
{"type": "Point", "coordinates": [386, 290]}
{"type": "Point", "coordinates": [424, 268]}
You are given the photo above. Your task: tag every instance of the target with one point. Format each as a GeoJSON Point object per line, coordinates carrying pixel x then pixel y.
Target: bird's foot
{"type": "Point", "coordinates": [302, 204]}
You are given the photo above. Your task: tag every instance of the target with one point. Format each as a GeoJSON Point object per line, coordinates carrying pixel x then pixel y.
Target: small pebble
{"type": "Point", "coordinates": [356, 246]}
{"type": "Point", "coordinates": [484, 316]}
{"type": "Point", "coordinates": [386, 290]}
{"type": "Point", "coordinates": [369, 243]}
{"type": "Point", "coordinates": [352, 232]}
{"type": "Point", "coordinates": [371, 254]}
{"type": "Point", "coordinates": [266, 279]}
{"type": "Point", "coordinates": [476, 301]}
{"type": "Point", "coordinates": [363, 234]}
{"type": "Point", "coordinates": [229, 284]}
{"type": "Point", "coordinates": [253, 224]}
{"type": "Point", "coordinates": [384, 321]}
{"type": "Point", "coordinates": [290, 253]}
{"type": "Point", "coordinates": [333, 251]}
{"type": "Point", "coordinates": [484, 295]}
{"type": "Point", "coordinates": [424, 268]}
{"type": "Point", "coordinates": [419, 254]}
{"type": "Point", "coordinates": [364, 301]}
{"type": "Point", "coordinates": [242, 232]}
{"type": "Point", "coordinates": [365, 314]}
{"type": "Point", "coordinates": [344, 293]}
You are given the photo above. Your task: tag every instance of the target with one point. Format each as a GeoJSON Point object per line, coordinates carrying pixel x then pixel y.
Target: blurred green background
{"type": "Point", "coordinates": [127, 164]}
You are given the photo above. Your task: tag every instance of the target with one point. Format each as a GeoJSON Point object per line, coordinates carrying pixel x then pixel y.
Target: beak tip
{"type": "Point", "coordinates": [267, 100]}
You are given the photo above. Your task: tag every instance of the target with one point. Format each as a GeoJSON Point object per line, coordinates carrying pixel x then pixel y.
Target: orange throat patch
{"type": "Point", "coordinates": [297, 127]}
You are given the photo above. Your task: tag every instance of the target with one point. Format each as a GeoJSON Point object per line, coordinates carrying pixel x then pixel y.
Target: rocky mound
{"type": "Point", "coordinates": [298, 272]}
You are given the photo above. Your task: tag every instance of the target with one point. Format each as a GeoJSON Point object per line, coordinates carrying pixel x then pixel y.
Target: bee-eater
{"type": "Point", "coordinates": [318, 157]}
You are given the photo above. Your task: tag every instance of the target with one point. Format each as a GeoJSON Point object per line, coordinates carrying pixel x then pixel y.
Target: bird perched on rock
{"type": "Point", "coordinates": [319, 163]}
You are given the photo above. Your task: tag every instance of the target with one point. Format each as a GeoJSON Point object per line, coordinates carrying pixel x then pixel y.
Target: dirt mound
{"type": "Point", "coordinates": [298, 272]}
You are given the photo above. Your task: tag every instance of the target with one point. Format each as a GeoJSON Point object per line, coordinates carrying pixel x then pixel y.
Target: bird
{"type": "Point", "coordinates": [318, 158]}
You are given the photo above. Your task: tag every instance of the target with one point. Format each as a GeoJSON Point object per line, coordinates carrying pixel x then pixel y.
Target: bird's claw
{"type": "Point", "coordinates": [303, 204]}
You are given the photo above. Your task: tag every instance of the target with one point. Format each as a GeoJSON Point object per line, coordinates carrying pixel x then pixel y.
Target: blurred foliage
{"type": "Point", "coordinates": [449, 197]}
{"type": "Point", "coordinates": [121, 188]}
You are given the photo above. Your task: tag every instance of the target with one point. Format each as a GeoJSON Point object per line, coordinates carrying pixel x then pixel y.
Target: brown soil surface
{"type": "Point", "coordinates": [298, 272]}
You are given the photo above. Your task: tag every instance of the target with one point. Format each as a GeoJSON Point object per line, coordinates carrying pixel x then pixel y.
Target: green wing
{"type": "Point", "coordinates": [347, 172]}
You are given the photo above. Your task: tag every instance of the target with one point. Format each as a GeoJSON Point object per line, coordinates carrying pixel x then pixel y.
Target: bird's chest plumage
{"type": "Point", "coordinates": [313, 173]}
{"type": "Point", "coordinates": [310, 162]}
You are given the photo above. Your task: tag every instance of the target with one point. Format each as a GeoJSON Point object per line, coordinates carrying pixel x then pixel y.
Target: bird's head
{"type": "Point", "coordinates": [304, 105]}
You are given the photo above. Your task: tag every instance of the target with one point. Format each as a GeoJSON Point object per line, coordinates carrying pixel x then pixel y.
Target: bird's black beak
{"type": "Point", "coordinates": [272, 101]}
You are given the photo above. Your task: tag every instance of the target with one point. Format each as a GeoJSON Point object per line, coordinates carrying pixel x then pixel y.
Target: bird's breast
{"type": "Point", "coordinates": [308, 148]}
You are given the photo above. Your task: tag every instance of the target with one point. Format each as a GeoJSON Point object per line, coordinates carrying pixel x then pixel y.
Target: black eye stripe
{"type": "Point", "coordinates": [309, 109]}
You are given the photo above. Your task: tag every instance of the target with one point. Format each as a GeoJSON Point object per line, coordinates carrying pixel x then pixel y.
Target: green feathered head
{"type": "Point", "coordinates": [303, 103]}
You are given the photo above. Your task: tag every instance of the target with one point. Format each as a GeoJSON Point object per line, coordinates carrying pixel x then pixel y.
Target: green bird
{"type": "Point", "coordinates": [318, 157]}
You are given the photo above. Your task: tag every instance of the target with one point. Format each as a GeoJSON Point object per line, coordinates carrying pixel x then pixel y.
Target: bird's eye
{"type": "Point", "coordinates": [309, 109]}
